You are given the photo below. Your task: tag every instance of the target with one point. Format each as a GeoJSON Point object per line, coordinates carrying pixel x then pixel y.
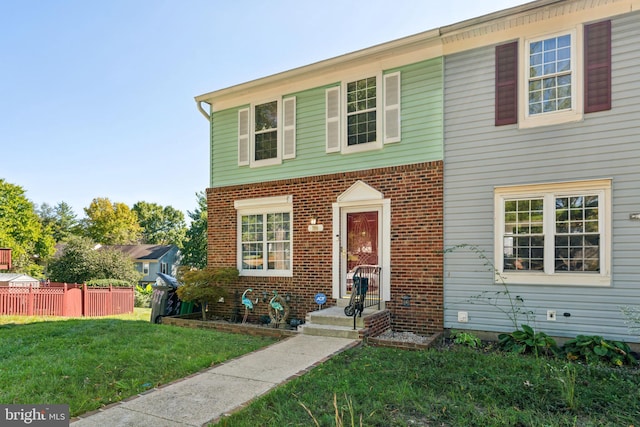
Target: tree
{"type": "Point", "coordinates": [60, 218]}
{"type": "Point", "coordinates": [81, 260]}
{"type": "Point", "coordinates": [194, 251]}
{"type": "Point", "coordinates": [74, 263]}
{"type": "Point", "coordinates": [111, 224]}
{"type": "Point", "coordinates": [22, 231]}
{"type": "Point", "coordinates": [160, 225]}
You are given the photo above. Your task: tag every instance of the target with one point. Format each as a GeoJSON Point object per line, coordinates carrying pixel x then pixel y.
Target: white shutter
{"type": "Point", "coordinates": [392, 107]}
{"type": "Point", "coordinates": [244, 137]}
{"type": "Point", "coordinates": [289, 128]}
{"type": "Point", "coordinates": [333, 119]}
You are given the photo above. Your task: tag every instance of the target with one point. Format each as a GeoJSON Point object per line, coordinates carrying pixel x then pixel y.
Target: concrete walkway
{"type": "Point", "coordinates": [222, 389]}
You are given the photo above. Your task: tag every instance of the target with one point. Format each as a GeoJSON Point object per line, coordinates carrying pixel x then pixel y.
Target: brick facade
{"type": "Point", "coordinates": [416, 193]}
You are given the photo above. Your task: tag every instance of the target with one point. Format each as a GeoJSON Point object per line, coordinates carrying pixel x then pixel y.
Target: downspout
{"type": "Point", "coordinates": [202, 111]}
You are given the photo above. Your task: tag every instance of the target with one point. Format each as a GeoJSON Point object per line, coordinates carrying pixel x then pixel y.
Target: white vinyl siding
{"type": "Point", "coordinates": [392, 108]}
{"type": "Point", "coordinates": [289, 128]}
{"type": "Point", "coordinates": [333, 119]}
{"type": "Point", "coordinates": [244, 137]}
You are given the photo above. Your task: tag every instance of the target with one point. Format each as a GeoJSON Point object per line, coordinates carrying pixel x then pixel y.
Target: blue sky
{"type": "Point", "coordinates": [97, 98]}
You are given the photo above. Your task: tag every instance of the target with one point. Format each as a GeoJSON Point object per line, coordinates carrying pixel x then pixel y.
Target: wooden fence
{"type": "Point", "coordinates": [5, 259]}
{"type": "Point", "coordinates": [61, 299]}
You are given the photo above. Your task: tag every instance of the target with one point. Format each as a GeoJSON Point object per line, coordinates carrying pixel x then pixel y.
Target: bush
{"type": "Point", "coordinates": [205, 286]}
{"type": "Point", "coordinates": [116, 283]}
{"type": "Point", "coordinates": [143, 296]}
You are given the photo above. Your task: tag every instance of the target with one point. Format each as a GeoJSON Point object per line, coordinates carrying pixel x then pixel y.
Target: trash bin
{"type": "Point", "coordinates": [164, 299]}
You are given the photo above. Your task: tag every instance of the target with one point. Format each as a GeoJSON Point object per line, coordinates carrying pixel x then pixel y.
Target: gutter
{"type": "Point", "coordinates": [202, 110]}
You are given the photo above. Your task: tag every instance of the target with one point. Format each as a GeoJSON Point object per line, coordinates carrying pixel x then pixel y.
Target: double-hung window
{"type": "Point", "coordinates": [554, 233]}
{"type": "Point", "coordinates": [266, 133]}
{"type": "Point", "coordinates": [362, 117]}
{"type": "Point", "coordinates": [550, 73]}
{"type": "Point", "coordinates": [554, 78]}
{"type": "Point", "coordinates": [265, 236]}
{"type": "Point", "coordinates": [363, 114]}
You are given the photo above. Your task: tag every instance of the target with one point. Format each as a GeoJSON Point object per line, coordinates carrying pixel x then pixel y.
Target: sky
{"type": "Point", "coordinates": [97, 97]}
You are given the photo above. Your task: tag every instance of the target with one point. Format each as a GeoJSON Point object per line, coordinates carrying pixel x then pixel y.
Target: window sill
{"type": "Point", "coordinates": [549, 119]}
{"type": "Point", "coordinates": [268, 273]}
{"type": "Point", "coordinates": [558, 279]}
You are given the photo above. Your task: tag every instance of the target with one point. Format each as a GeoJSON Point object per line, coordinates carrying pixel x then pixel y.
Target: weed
{"type": "Point", "coordinates": [339, 413]}
{"type": "Point", "coordinates": [514, 310]}
{"type": "Point", "coordinates": [465, 338]}
{"type": "Point", "coordinates": [566, 377]}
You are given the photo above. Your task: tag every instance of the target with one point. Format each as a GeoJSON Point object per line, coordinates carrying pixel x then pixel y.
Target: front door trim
{"type": "Point", "coordinates": [362, 196]}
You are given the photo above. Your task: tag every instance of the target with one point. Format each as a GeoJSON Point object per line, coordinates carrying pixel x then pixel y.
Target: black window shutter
{"type": "Point", "coordinates": [506, 84]}
{"type": "Point", "coordinates": [597, 67]}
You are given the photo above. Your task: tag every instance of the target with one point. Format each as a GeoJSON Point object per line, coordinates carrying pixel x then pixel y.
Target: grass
{"type": "Point", "coordinates": [457, 386]}
{"type": "Point", "coordinates": [91, 362]}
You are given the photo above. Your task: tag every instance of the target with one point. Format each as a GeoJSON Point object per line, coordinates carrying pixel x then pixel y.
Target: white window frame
{"type": "Point", "coordinates": [286, 133]}
{"type": "Point", "coordinates": [549, 192]}
{"type": "Point", "coordinates": [371, 145]}
{"type": "Point", "coordinates": [388, 111]}
{"type": "Point", "coordinates": [575, 113]}
{"type": "Point", "coordinates": [145, 268]}
{"type": "Point", "coordinates": [263, 206]}
{"type": "Point", "coordinates": [252, 142]}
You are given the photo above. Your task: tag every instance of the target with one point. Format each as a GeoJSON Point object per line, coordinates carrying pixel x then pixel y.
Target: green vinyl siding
{"type": "Point", "coordinates": [422, 134]}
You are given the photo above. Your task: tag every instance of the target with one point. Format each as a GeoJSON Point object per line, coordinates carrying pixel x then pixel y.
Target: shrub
{"type": "Point", "coordinates": [206, 286]}
{"type": "Point", "coordinates": [143, 296]}
{"type": "Point", "coordinates": [106, 282]}
{"type": "Point", "coordinates": [595, 349]}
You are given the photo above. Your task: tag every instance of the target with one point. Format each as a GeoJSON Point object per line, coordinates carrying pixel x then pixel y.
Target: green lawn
{"type": "Point", "coordinates": [91, 362]}
{"type": "Point", "coordinates": [455, 386]}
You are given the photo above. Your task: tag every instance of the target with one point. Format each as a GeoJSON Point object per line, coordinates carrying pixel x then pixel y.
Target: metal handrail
{"type": "Point", "coordinates": [366, 290]}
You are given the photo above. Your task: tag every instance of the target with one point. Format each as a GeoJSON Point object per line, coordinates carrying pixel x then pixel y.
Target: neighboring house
{"type": "Point", "coordinates": [322, 168]}
{"type": "Point", "coordinates": [542, 163]}
{"type": "Point", "coordinates": [151, 259]}
{"type": "Point", "coordinates": [17, 280]}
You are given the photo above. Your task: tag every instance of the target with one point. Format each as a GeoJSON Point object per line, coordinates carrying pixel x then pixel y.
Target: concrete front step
{"type": "Point", "coordinates": [333, 316]}
{"type": "Point", "coordinates": [332, 322]}
{"type": "Point", "coordinates": [330, 331]}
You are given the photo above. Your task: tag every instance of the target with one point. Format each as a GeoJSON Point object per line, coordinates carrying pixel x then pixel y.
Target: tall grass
{"type": "Point", "coordinates": [448, 387]}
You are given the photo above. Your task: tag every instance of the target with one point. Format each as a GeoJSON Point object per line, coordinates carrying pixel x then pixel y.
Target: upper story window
{"type": "Point", "coordinates": [563, 75]}
{"type": "Point", "coordinates": [554, 233]}
{"type": "Point", "coordinates": [363, 114]}
{"type": "Point", "coordinates": [550, 75]}
{"type": "Point", "coordinates": [362, 118]}
{"type": "Point", "coordinates": [267, 133]}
